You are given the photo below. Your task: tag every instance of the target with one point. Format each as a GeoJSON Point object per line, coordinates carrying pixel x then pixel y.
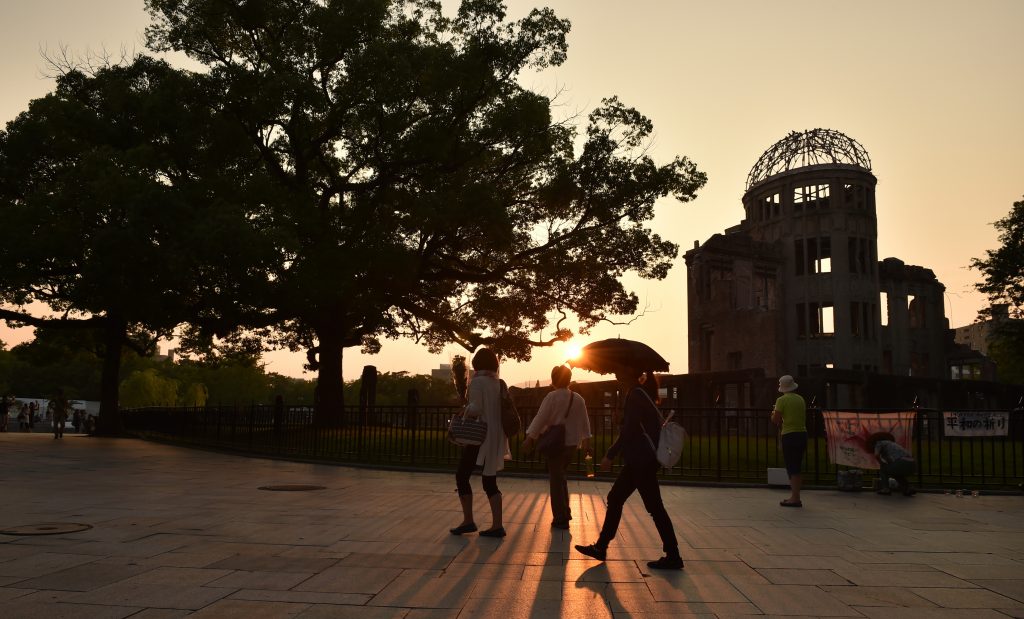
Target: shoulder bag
{"type": "Point", "coordinates": [552, 440]}
{"type": "Point", "coordinates": [670, 439]}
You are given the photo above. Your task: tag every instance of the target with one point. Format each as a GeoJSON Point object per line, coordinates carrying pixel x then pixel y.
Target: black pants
{"type": "Point", "coordinates": [561, 513]}
{"type": "Point", "coordinates": [644, 480]}
{"type": "Point", "coordinates": [467, 462]}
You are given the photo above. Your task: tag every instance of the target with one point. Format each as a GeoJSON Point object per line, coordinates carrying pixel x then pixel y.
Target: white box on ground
{"type": "Point", "coordinates": [778, 477]}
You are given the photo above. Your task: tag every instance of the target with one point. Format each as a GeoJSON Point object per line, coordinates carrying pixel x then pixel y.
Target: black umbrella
{"type": "Point", "coordinates": [607, 356]}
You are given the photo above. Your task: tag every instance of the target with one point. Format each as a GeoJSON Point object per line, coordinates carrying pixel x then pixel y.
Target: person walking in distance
{"type": "Point", "coordinates": [60, 413]}
{"type": "Point", "coordinates": [641, 426]}
{"type": "Point", "coordinates": [568, 409]}
{"type": "Point", "coordinates": [790, 413]}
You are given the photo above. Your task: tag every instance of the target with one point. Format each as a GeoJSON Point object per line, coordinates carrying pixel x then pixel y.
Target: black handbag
{"type": "Point", "coordinates": [552, 441]}
{"type": "Point", "coordinates": [465, 431]}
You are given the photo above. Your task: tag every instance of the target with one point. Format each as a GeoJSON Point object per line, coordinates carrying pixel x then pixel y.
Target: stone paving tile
{"type": "Point", "coordinates": [193, 576]}
{"type": "Point", "coordinates": [279, 581]}
{"type": "Point", "coordinates": [795, 600]}
{"type": "Point", "coordinates": [310, 597]}
{"type": "Point", "coordinates": [928, 613]}
{"type": "Point", "coordinates": [243, 609]}
{"type": "Point", "coordinates": [412, 561]}
{"type": "Point", "coordinates": [890, 596]}
{"type": "Point", "coordinates": [334, 611]}
{"type": "Point", "coordinates": [161, 613]}
{"type": "Point", "coordinates": [875, 578]}
{"type": "Point", "coordinates": [693, 588]}
{"type": "Point", "coordinates": [483, 608]}
{"type": "Point", "coordinates": [39, 610]}
{"type": "Point", "coordinates": [586, 570]}
{"type": "Point", "coordinates": [345, 579]}
{"type": "Point", "coordinates": [43, 563]}
{"type": "Point", "coordinates": [268, 563]}
{"type": "Point", "coordinates": [985, 572]}
{"type": "Point", "coordinates": [83, 577]}
{"type": "Point", "coordinates": [802, 577]}
{"type": "Point", "coordinates": [966, 598]}
{"type": "Point", "coordinates": [147, 595]}
{"type": "Point", "coordinates": [507, 588]}
{"type": "Point", "coordinates": [1010, 588]}
{"type": "Point", "coordinates": [424, 589]}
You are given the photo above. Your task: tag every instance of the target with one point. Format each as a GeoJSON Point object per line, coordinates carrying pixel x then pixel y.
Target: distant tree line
{"type": "Point", "coordinates": [66, 360]}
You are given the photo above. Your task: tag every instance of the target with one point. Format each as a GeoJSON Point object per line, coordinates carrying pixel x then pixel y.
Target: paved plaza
{"type": "Point", "coordinates": [178, 532]}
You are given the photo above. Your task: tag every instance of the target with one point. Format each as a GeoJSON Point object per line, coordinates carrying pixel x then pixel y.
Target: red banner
{"type": "Point", "coordinates": [849, 432]}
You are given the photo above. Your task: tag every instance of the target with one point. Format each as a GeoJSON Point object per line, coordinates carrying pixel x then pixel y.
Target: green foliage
{"type": "Point", "coordinates": [1003, 282]}
{"type": "Point", "coordinates": [393, 390]}
{"type": "Point", "coordinates": [148, 388]}
{"type": "Point", "coordinates": [410, 184]}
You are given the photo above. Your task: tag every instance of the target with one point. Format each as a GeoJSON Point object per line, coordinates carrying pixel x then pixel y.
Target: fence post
{"type": "Point", "coordinates": [413, 401]}
{"type": "Point", "coordinates": [920, 445]}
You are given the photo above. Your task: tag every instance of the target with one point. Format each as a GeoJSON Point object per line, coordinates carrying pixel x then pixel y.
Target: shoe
{"type": "Point", "coordinates": [788, 503]}
{"type": "Point", "coordinates": [499, 532]}
{"type": "Point", "coordinates": [463, 528]}
{"type": "Point", "coordinates": [560, 525]}
{"type": "Point", "coordinates": [593, 551]}
{"type": "Point", "coordinates": [884, 491]}
{"type": "Point", "coordinates": [666, 563]}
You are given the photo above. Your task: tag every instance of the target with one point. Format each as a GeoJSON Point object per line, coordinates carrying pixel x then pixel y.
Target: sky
{"type": "Point", "coordinates": [932, 89]}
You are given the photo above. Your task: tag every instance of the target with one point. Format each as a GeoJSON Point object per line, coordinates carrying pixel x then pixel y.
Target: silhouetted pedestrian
{"type": "Point", "coordinates": [637, 443]}
{"type": "Point", "coordinates": [790, 414]}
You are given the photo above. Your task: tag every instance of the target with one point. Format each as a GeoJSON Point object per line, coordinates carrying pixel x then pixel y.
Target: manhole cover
{"type": "Point", "coordinates": [46, 528]}
{"type": "Point", "coordinates": [291, 488]}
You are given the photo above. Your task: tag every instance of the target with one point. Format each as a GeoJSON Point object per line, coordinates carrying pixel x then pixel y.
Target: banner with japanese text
{"type": "Point", "coordinates": [848, 434]}
{"type": "Point", "coordinates": [975, 423]}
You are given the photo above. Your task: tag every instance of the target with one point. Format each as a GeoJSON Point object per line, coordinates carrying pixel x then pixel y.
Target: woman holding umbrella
{"type": "Point", "coordinates": [640, 472]}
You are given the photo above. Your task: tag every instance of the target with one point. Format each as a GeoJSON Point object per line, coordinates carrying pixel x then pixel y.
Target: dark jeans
{"type": "Point", "coordinates": [645, 481]}
{"type": "Point", "coordinates": [561, 513]}
{"type": "Point", "coordinates": [898, 470]}
{"type": "Point", "coordinates": [467, 462]}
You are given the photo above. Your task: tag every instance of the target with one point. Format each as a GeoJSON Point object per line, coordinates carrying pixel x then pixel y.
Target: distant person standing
{"type": "Point", "coordinates": [791, 414]}
{"type": "Point", "coordinates": [23, 418]}
{"type": "Point", "coordinates": [5, 407]}
{"type": "Point", "coordinates": [60, 413]}
{"type": "Point", "coordinates": [33, 413]}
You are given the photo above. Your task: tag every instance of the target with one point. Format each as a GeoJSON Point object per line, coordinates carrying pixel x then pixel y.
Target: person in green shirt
{"type": "Point", "coordinates": [791, 413]}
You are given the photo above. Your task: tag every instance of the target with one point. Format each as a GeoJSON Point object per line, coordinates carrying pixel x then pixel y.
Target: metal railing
{"type": "Point", "coordinates": [724, 446]}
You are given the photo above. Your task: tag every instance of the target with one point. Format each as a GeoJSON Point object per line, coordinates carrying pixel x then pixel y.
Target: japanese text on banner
{"type": "Point", "coordinates": [975, 423]}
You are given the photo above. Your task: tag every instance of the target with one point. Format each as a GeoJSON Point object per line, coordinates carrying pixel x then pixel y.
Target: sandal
{"type": "Point", "coordinates": [788, 503]}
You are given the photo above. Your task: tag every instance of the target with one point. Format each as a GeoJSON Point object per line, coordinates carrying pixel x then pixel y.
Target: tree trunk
{"type": "Point", "coordinates": [330, 385]}
{"type": "Point", "coordinates": [114, 333]}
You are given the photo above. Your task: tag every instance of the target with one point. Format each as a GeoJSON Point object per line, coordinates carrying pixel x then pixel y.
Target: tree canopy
{"type": "Point", "coordinates": [410, 185]}
{"type": "Point", "coordinates": [96, 179]}
{"type": "Point", "coordinates": [1002, 281]}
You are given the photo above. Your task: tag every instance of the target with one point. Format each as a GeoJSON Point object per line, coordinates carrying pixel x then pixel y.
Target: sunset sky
{"type": "Point", "coordinates": [932, 89]}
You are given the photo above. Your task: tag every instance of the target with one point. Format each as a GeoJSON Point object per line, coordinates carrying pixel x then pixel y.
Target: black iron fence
{"type": "Point", "coordinates": [730, 446]}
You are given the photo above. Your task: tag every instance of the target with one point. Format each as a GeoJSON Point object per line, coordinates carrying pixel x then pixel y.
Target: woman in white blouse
{"type": "Point", "coordinates": [561, 406]}
{"type": "Point", "coordinates": [483, 400]}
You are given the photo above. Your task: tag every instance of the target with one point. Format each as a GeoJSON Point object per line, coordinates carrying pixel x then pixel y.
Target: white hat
{"type": "Point", "coordinates": [787, 384]}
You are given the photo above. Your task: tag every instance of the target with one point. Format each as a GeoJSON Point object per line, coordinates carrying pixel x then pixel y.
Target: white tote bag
{"type": "Point", "coordinates": [670, 439]}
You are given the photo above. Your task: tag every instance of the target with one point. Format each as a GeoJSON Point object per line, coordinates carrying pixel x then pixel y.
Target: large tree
{"type": "Point", "coordinates": [413, 186]}
{"type": "Point", "coordinates": [1002, 272]}
{"type": "Point", "coordinates": [110, 231]}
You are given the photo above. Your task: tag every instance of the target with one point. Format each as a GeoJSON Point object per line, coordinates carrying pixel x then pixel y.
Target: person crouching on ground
{"type": "Point", "coordinates": [791, 414]}
{"type": "Point", "coordinates": [640, 471]}
{"type": "Point", "coordinates": [483, 399]}
{"type": "Point", "coordinates": [893, 461]}
{"type": "Point", "coordinates": [568, 409]}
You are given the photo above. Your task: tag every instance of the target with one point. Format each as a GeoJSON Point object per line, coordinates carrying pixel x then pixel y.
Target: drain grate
{"type": "Point", "coordinates": [47, 528]}
{"type": "Point", "coordinates": [291, 488]}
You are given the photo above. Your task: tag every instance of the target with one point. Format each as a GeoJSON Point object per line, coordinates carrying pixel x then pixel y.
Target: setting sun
{"type": "Point", "coordinates": [573, 350]}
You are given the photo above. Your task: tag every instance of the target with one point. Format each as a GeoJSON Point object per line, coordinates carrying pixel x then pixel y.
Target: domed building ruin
{"type": "Point", "coordinates": [797, 286]}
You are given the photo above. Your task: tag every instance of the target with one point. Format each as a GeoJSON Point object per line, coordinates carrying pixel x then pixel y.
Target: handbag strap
{"type": "Point", "coordinates": [664, 420]}
{"type": "Point", "coordinates": [572, 396]}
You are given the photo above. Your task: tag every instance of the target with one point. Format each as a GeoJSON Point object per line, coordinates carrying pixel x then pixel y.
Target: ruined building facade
{"type": "Point", "coordinates": [797, 286]}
